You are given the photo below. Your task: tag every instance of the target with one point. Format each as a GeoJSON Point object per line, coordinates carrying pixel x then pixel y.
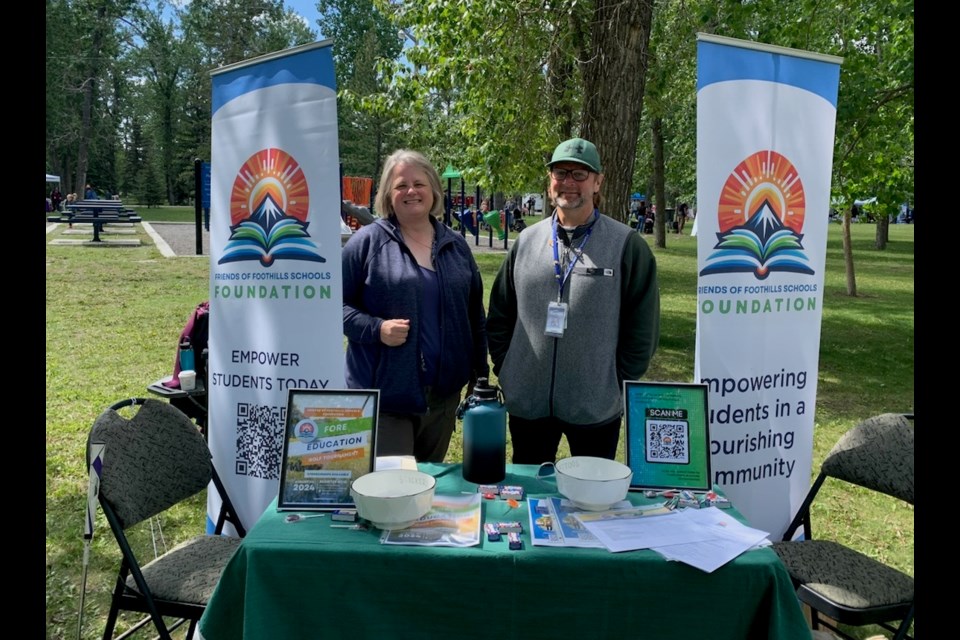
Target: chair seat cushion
{"type": "Point", "coordinates": [190, 571]}
{"type": "Point", "coordinates": [844, 576]}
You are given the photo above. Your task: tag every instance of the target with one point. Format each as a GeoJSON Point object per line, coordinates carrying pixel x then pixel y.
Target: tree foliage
{"type": "Point", "coordinates": [489, 86]}
{"type": "Point", "coordinates": [362, 37]}
{"type": "Point", "coordinates": [127, 79]}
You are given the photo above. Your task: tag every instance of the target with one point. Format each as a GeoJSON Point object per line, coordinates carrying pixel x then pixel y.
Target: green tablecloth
{"type": "Point", "coordinates": [307, 580]}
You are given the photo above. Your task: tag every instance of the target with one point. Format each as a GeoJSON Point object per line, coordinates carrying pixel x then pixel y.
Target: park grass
{"type": "Point", "coordinates": [109, 336]}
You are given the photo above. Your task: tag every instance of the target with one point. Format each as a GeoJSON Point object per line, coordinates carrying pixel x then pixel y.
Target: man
{"type": "Point", "coordinates": [643, 218]}
{"type": "Point", "coordinates": [574, 311]}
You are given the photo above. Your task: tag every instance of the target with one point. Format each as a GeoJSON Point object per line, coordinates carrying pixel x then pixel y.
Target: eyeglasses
{"type": "Point", "coordinates": [561, 174]}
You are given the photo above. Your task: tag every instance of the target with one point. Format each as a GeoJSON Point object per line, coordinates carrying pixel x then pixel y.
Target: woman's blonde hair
{"type": "Point", "coordinates": [382, 203]}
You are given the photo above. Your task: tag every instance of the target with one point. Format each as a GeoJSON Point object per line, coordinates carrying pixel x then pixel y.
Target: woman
{"type": "Point", "coordinates": [412, 312]}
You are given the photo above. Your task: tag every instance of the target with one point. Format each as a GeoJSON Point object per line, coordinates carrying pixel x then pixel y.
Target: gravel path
{"type": "Point", "coordinates": [180, 238]}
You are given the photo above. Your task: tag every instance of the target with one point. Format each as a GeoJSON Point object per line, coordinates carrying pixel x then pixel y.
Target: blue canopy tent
{"type": "Point", "coordinates": [53, 178]}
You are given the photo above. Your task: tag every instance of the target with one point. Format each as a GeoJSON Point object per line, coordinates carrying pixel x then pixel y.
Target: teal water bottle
{"type": "Point", "coordinates": [186, 355]}
{"type": "Point", "coordinates": [484, 435]}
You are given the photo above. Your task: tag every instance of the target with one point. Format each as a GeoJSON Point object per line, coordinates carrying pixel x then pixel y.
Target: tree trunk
{"type": "Point", "coordinates": [659, 189]}
{"type": "Point", "coordinates": [614, 78]}
{"type": "Point", "coordinates": [94, 69]}
{"type": "Point", "coordinates": [848, 254]}
{"type": "Point", "coordinates": [883, 232]}
{"type": "Point", "coordinates": [83, 146]}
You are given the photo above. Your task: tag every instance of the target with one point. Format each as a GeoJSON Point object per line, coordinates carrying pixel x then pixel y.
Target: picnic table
{"type": "Point", "coordinates": [97, 207]}
{"type": "Point", "coordinates": [96, 213]}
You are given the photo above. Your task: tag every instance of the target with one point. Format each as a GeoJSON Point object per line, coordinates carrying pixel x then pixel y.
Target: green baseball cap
{"type": "Point", "coordinates": [577, 150]}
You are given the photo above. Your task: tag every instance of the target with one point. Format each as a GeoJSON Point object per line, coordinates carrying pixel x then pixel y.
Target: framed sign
{"type": "Point", "coordinates": [329, 441]}
{"type": "Point", "coordinates": [667, 435]}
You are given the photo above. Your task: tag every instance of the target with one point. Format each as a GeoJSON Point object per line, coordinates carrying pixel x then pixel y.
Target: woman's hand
{"type": "Point", "coordinates": [393, 333]}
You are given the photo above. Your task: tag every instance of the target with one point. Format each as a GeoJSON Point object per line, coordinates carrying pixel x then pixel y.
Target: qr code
{"type": "Point", "coordinates": [259, 440]}
{"type": "Point", "coordinates": [667, 441]}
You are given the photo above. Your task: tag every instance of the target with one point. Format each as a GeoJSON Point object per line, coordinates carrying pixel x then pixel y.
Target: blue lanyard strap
{"type": "Point", "coordinates": [562, 279]}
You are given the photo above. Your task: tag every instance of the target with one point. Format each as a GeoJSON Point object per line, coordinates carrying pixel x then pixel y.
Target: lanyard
{"type": "Point", "coordinates": [562, 279]}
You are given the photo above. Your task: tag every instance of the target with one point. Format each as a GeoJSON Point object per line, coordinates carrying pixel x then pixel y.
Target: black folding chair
{"type": "Point", "coordinates": [836, 581]}
{"type": "Point", "coordinates": [148, 464]}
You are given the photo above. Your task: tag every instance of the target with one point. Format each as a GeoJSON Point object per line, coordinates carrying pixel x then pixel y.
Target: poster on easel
{"type": "Point", "coordinates": [329, 443]}
{"type": "Point", "coordinates": [667, 435]}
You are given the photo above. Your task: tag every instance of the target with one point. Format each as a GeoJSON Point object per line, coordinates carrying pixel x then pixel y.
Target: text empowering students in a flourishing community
{"type": "Point", "coordinates": [750, 442]}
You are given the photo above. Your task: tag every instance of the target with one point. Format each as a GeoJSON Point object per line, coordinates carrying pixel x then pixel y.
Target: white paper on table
{"type": "Point", "coordinates": [629, 534]}
{"type": "Point", "coordinates": [394, 462]}
{"type": "Point", "coordinates": [729, 538]}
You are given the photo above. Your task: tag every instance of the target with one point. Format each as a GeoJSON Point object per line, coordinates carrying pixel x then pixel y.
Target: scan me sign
{"type": "Point", "coordinates": [765, 132]}
{"type": "Point", "coordinates": [275, 280]}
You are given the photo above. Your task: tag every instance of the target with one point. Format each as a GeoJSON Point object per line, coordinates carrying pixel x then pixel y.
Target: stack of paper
{"type": "Point", "coordinates": [703, 538]}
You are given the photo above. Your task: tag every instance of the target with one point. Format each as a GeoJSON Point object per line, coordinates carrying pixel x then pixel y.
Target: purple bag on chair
{"type": "Point", "coordinates": [197, 330]}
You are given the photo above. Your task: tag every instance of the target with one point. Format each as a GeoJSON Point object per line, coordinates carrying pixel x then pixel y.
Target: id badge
{"type": "Point", "coordinates": [556, 319]}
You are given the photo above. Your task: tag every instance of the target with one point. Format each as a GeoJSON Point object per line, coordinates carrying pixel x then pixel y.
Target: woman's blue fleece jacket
{"type": "Point", "coordinates": [381, 281]}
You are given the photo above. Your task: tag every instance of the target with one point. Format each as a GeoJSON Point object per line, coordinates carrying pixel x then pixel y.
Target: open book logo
{"type": "Point", "coordinates": [760, 214]}
{"type": "Point", "coordinates": [269, 204]}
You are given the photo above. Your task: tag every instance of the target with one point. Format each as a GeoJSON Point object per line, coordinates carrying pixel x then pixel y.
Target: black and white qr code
{"type": "Point", "coordinates": [259, 440]}
{"type": "Point", "coordinates": [668, 441]}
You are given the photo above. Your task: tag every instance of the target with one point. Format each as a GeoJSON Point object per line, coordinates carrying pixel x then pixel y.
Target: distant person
{"type": "Point", "coordinates": [484, 209]}
{"type": "Point", "coordinates": [573, 312]}
{"type": "Point", "coordinates": [56, 198]}
{"type": "Point", "coordinates": [518, 223]}
{"type": "Point", "coordinates": [89, 193]}
{"type": "Point", "coordinates": [682, 211]}
{"type": "Point", "coordinates": [71, 198]}
{"type": "Point", "coordinates": [641, 213]}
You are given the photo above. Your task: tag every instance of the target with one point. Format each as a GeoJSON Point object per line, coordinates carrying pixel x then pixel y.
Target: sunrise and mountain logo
{"type": "Point", "coordinates": [305, 430]}
{"type": "Point", "coordinates": [269, 204]}
{"type": "Point", "coordinates": [760, 213]}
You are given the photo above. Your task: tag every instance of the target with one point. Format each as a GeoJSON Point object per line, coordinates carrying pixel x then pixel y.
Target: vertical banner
{"type": "Point", "coordinates": [765, 134]}
{"type": "Point", "coordinates": [276, 311]}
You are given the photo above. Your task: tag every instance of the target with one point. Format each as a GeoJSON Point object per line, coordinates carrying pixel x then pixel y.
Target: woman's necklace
{"type": "Point", "coordinates": [423, 260]}
{"type": "Point", "coordinates": [428, 245]}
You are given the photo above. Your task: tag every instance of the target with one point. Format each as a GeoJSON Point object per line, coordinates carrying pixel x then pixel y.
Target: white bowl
{"type": "Point", "coordinates": [593, 484]}
{"type": "Point", "coordinates": [394, 498]}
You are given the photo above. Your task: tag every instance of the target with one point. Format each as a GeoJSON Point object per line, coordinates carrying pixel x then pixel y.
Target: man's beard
{"type": "Point", "coordinates": [566, 201]}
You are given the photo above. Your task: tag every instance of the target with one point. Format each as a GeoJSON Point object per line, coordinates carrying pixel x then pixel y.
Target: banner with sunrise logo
{"type": "Point", "coordinates": [765, 134]}
{"type": "Point", "coordinates": [276, 311]}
